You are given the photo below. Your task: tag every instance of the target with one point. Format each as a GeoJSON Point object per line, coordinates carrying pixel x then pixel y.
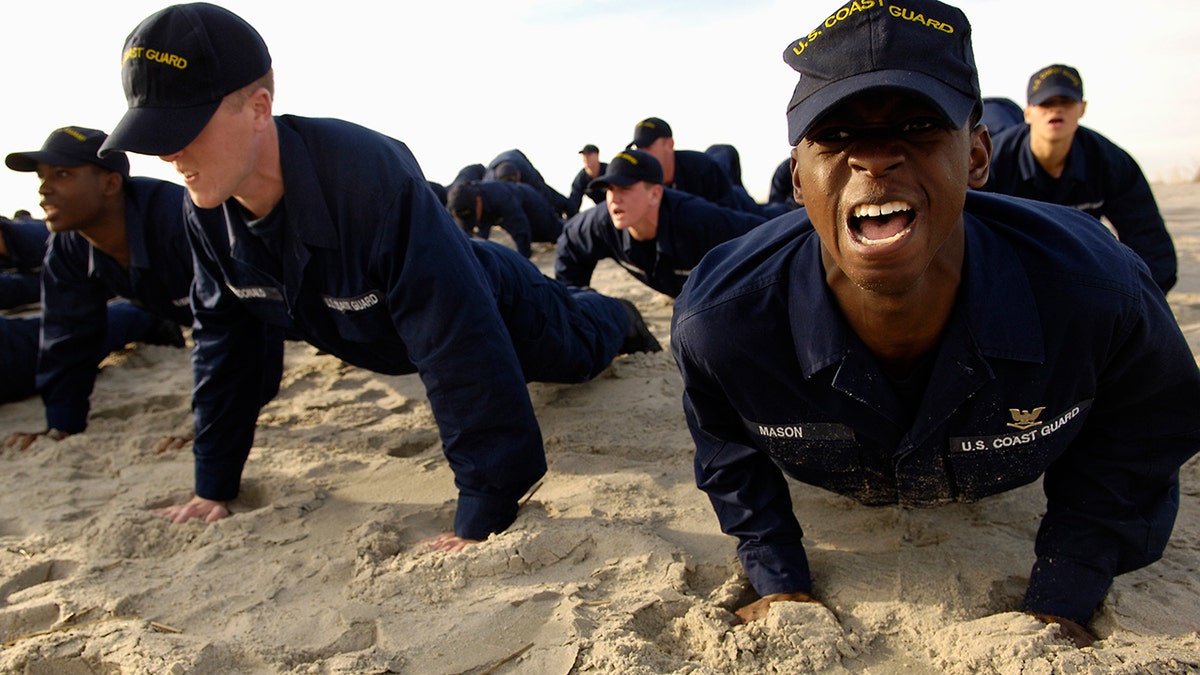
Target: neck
{"type": "Point", "coordinates": [668, 168]}
{"type": "Point", "coordinates": [1050, 154]}
{"type": "Point", "coordinates": [898, 328]}
{"type": "Point", "coordinates": [263, 188]}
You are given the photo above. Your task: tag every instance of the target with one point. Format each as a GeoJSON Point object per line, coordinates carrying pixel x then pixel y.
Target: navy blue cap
{"type": "Point", "coordinates": [1051, 81]}
{"type": "Point", "coordinates": [921, 46]}
{"type": "Point", "coordinates": [629, 167]}
{"type": "Point", "coordinates": [649, 130]}
{"type": "Point", "coordinates": [70, 146]}
{"type": "Point", "coordinates": [177, 66]}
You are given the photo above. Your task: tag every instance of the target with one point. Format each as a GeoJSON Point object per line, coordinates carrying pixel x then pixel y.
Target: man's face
{"type": "Point", "coordinates": [884, 178]}
{"type": "Point", "coordinates": [591, 163]}
{"type": "Point", "coordinates": [1056, 118]}
{"type": "Point", "coordinates": [73, 196]}
{"type": "Point", "coordinates": [635, 208]}
{"type": "Point", "coordinates": [217, 163]}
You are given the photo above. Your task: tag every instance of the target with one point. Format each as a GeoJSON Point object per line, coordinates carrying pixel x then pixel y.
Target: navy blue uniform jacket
{"type": "Point", "coordinates": [1061, 357]}
{"type": "Point", "coordinates": [78, 280]}
{"type": "Point", "coordinates": [21, 267]}
{"type": "Point", "coordinates": [688, 227]}
{"type": "Point", "coordinates": [579, 188]}
{"type": "Point", "coordinates": [529, 176]}
{"type": "Point", "coordinates": [1100, 179]}
{"type": "Point", "coordinates": [698, 174]}
{"type": "Point", "coordinates": [370, 267]}
{"type": "Point", "coordinates": [26, 244]}
{"type": "Point", "coordinates": [521, 211]}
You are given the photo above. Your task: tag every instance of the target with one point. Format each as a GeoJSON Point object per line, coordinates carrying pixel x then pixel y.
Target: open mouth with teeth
{"type": "Point", "coordinates": [881, 224]}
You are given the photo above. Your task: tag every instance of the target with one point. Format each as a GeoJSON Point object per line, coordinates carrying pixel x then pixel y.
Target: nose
{"type": "Point", "coordinates": [171, 157]}
{"type": "Point", "coordinates": [876, 156]}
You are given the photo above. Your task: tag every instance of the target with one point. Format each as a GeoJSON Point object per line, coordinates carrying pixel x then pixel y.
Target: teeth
{"type": "Point", "coordinates": [876, 210]}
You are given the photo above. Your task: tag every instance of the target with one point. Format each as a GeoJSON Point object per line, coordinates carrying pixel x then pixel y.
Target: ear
{"type": "Point", "coordinates": [981, 156]}
{"type": "Point", "coordinates": [1083, 110]}
{"type": "Point", "coordinates": [797, 191]}
{"type": "Point", "coordinates": [111, 183]}
{"type": "Point", "coordinates": [261, 104]}
{"type": "Point", "coordinates": [1028, 108]}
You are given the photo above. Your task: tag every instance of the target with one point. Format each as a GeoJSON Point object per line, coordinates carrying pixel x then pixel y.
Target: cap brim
{"type": "Point", "coordinates": [158, 131]}
{"type": "Point", "coordinates": [604, 181]}
{"type": "Point", "coordinates": [28, 161]}
{"type": "Point", "coordinates": [1046, 93]}
{"type": "Point", "coordinates": [954, 105]}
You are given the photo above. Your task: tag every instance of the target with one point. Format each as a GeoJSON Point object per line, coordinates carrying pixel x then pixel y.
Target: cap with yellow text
{"type": "Point", "coordinates": [627, 168]}
{"type": "Point", "coordinates": [1054, 80]}
{"type": "Point", "coordinates": [177, 66]}
{"type": "Point", "coordinates": [647, 131]}
{"type": "Point", "coordinates": [921, 47]}
{"type": "Point", "coordinates": [70, 146]}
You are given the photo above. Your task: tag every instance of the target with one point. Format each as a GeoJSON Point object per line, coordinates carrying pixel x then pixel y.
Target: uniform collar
{"type": "Point", "coordinates": [304, 202]}
{"type": "Point", "coordinates": [1075, 169]}
{"type": "Point", "coordinates": [135, 225]}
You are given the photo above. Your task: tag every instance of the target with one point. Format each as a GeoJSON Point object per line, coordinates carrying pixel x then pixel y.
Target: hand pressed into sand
{"type": "Point", "coordinates": [447, 541]}
{"type": "Point", "coordinates": [198, 507]}
{"type": "Point", "coordinates": [21, 440]}
{"type": "Point", "coordinates": [758, 609]}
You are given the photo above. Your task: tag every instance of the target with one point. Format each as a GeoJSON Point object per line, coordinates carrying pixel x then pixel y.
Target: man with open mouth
{"type": "Point", "coordinates": [906, 340]}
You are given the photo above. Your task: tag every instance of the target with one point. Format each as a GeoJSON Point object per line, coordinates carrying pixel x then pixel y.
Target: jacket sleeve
{"type": "Point", "coordinates": [516, 224]}
{"type": "Point", "coordinates": [1113, 496]}
{"type": "Point", "coordinates": [578, 188]}
{"type": "Point", "coordinates": [1130, 206]}
{"type": "Point", "coordinates": [577, 253]}
{"type": "Point", "coordinates": [232, 364]}
{"type": "Point", "coordinates": [747, 490]}
{"type": "Point", "coordinates": [74, 327]}
{"type": "Point", "coordinates": [445, 312]}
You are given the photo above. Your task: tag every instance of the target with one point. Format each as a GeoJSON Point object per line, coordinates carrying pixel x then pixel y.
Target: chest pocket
{"type": "Point", "coordinates": [361, 318]}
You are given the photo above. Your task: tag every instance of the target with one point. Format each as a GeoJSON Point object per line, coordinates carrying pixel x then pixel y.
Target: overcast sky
{"type": "Point", "coordinates": [460, 82]}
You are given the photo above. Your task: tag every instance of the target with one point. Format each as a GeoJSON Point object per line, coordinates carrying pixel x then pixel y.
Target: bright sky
{"type": "Point", "coordinates": [460, 82]}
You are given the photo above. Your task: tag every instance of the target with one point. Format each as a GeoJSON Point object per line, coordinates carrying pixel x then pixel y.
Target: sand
{"type": "Point", "coordinates": [615, 563]}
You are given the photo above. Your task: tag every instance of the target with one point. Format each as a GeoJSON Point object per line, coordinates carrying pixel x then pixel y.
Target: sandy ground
{"type": "Point", "coordinates": [615, 565]}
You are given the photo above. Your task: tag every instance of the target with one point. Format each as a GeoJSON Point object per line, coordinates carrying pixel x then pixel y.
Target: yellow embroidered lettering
{"type": "Point", "coordinates": [73, 134]}
{"type": "Point", "coordinates": [917, 17]}
{"type": "Point", "coordinates": [801, 45]}
{"type": "Point", "coordinates": [132, 53]}
{"type": "Point", "coordinates": [167, 58]}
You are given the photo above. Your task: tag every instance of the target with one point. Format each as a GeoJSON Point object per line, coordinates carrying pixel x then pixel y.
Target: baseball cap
{"type": "Point", "coordinates": [589, 148]}
{"type": "Point", "coordinates": [629, 167]}
{"type": "Point", "coordinates": [1055, 80]}
{"type": "Point", "coordinates": [70, 146]}
{"type": "Point", "coordinates": [649, 130]}
{"type": "Point", "coordinates": [177, 66]}
{"type": "Point", "coordinates": [460, 201]}
{"type": "Point", "coordinates": [922, 47]}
